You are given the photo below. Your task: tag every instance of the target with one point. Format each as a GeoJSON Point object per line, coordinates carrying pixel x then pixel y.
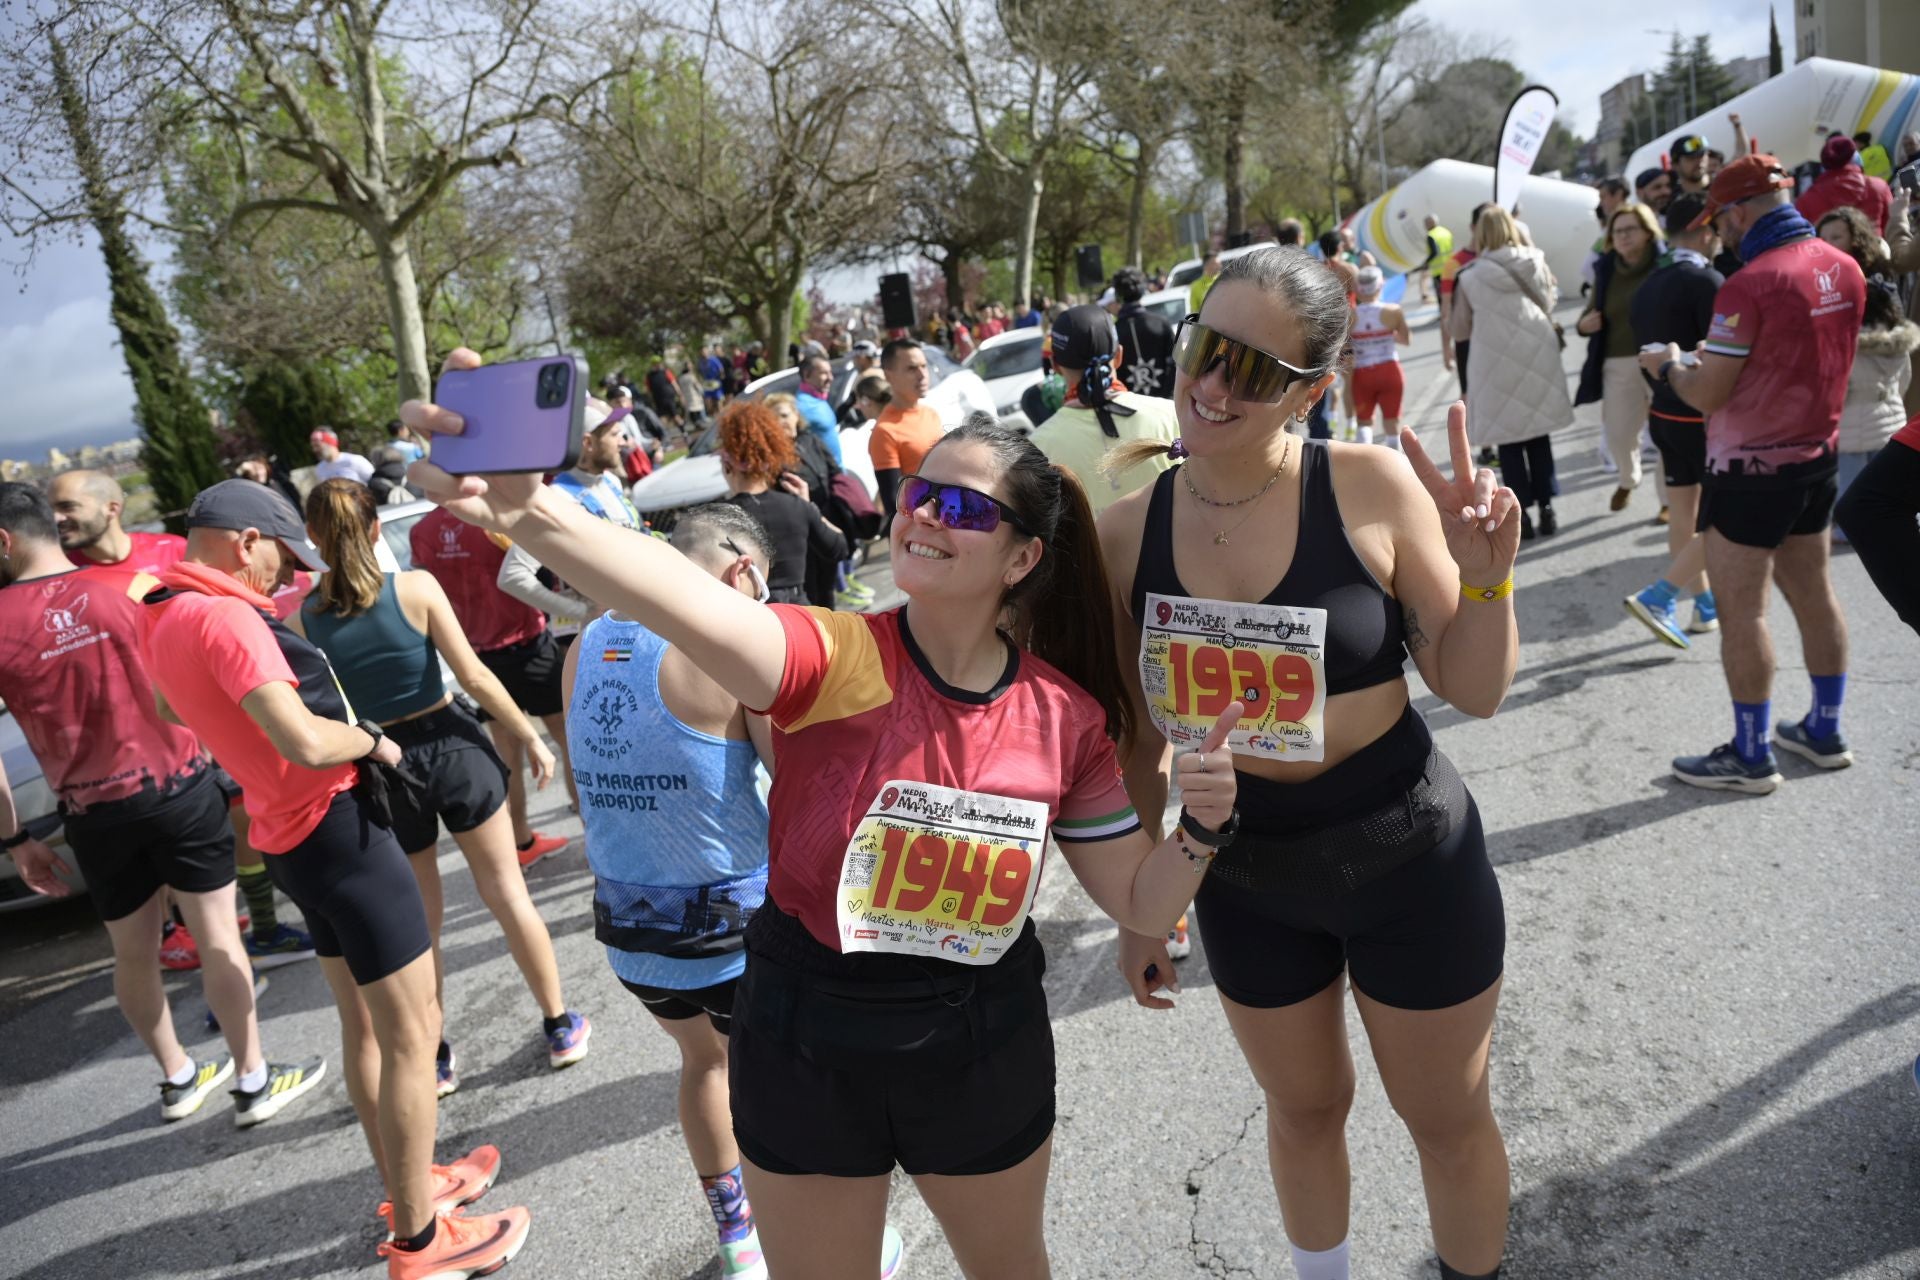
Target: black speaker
{"type": "Point", "coordinates": [1086, 261]}
{"type": "Point", "coordinates": [896, 301]}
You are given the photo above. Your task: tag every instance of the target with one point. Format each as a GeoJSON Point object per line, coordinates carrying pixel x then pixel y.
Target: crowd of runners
{"type": "Point", "coordinates": [816, 835]}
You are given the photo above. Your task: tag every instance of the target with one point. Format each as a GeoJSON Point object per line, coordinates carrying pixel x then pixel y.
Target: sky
{"type": "Point", "coordinates": [62, 370]}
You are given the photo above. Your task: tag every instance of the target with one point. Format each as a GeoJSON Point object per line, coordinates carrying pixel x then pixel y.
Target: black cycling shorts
{"type": "Point", "coordinates": [464, 782]}
{"type": "Point", "coordinates": [128, 849]}
{"type": "Point", "coordinates": [1422, 926]}
{"type": "Point", "coordinates": [1764, 511]}
{"type": "Point", "coordinates": [849, 1079]}
{"type": "Point", "coordinates": [670, 1004]}
{"type": "Point", "coordinates": [353, 885]}
{"type": "Point", "coordinates": [1683, 449]}
{"type": "Point", "coordinates": [531, 673]}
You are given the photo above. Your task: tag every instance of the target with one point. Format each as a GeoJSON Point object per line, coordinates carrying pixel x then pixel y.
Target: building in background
{"type": "Point", "coordinates": [1619, 106]}
{"type": "Point", "coordinates": [1747, 72]}
{"type": "Point", "coordinates": [1873, 33]}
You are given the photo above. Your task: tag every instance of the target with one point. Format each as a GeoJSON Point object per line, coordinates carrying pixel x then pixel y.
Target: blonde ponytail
{"type": "Point", "coordinates": [340, 519]}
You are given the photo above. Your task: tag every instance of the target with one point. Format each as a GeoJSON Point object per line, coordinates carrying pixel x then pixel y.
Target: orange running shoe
{"type": "Point", "coordinates": [540, 847]}
{"type": "Point", "coordinates": [462, 1182]}
{"type": "Point", "coordinates": [462, 1247]}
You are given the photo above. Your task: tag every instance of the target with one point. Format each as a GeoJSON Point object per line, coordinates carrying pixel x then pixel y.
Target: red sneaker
{"type": "Point", "coordinates": [178, 951]}
{"type": "Point", "coordinates": [541, 847]}
{"type": "Point", "coordinates": [462, 1182]}
{"type": "Point", "coordinates": [461, 1247]}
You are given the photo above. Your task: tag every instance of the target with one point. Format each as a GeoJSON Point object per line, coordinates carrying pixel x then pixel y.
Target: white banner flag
{"type": "Point", "coordinates": [1522, 135]}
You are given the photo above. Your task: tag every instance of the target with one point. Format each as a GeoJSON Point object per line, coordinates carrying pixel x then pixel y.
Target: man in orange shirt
{"type": "Point", "coordinates": [905, 429]}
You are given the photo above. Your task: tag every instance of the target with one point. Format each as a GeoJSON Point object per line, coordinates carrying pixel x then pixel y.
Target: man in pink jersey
{"type": "Point", "coordinates": [87, 507]}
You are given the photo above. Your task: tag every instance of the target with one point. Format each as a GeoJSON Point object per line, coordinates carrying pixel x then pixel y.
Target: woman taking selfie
{"type": "Point", "coordinates": [892, 1012]}
{"type": "Point", "coordinates": [1360, 858]}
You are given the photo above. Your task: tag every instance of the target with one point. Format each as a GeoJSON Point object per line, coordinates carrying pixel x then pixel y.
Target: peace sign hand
{"type": "Point", "coordinates": [1481, 519]}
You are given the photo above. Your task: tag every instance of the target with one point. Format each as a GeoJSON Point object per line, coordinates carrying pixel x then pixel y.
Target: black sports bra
{"type": "Point", "coordinates": [1365, 643]}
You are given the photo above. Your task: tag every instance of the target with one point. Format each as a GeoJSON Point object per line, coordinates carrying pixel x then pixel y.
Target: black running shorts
{"type": "Point", "coordinates": [1764, 511]}
{"type": "Point", "coordinates": [671, 1005]}
{"type": "Point", "coordinates": [353, 885]}
{"type": "Point", "coordinates": [531, 673]}
{"type": "Point", "coordinates": [129, 849]}
{"type": "Point", "coordinates": [851, 1079]}
{"type": "Point", "coordinates": [464, 781]}
{"type": "Point", "coordinates": [1683, 449]}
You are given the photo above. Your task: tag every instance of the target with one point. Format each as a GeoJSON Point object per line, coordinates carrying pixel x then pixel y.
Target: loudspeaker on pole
{"type": "Point", "coordinates": [896, 301]}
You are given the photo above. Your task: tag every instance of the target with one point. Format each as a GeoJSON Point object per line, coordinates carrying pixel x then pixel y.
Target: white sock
{"type": "Point", "coordinates": [253, 1081]}
{"type": "Point", "coordinates": [185, 1075]}
{"type": "Point", "coordinates": [1329, 1264]}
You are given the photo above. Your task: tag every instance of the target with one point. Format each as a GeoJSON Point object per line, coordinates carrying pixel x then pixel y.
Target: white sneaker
{"type": "Point", "coordinates": [1179, 943]}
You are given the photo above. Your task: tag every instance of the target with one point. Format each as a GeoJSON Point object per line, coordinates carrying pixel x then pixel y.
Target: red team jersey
{"type": "Point", "coordinates": [72, 675]}
{"type": "Point", "coordinates": [860, 708]}
{"type": "Point", "coordinates": [1793, 314]}
{"type": "Point", "coordinates": [466, 561]}
{"type": "Point", "coordinates": [151, 553]}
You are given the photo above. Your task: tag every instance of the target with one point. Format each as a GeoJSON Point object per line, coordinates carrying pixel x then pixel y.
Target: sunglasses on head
{"type": "Point", "coordinates": [1252, 374]}
{"type": "Point", "coordinates": [956, 506]}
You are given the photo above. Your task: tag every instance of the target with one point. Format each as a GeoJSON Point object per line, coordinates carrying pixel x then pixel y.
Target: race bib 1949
{"type": "Point", "coordinates": [1197, 654]}
{"type": "Point", "coordinates": [936, 872]}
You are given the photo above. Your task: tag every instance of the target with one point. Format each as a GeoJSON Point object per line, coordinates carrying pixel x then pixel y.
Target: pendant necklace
{"type": "Point", "coordinates": [1220, 535]}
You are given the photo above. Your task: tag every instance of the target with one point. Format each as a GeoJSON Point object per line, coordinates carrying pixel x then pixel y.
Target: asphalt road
{"type": "Point", "coordinates": [1702, 1059]}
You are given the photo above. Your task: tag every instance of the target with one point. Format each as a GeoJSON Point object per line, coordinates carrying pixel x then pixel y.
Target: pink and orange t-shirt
{"type": "Point", "coordinates": [860, 710]}
{"type": "Point", "coordinates": [209, 641]}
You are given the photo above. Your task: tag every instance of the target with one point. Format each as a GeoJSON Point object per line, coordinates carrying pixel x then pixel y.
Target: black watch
{"type": "Point", "coordinates": [1212, 839]}
{"type": "Point", "coordinates": [17, 839]}
{"type": "Point", "coordinates": [373, 731]}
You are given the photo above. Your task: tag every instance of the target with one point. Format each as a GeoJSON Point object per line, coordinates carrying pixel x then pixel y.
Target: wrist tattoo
{"type": "Point", "coordinates": [1416, 638]}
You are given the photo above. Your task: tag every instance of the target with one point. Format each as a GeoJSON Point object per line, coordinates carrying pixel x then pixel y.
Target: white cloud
{"type": "Point", "coordinates": [63, 371]}
{"type": "Point", "coordinates": [1578, 50]}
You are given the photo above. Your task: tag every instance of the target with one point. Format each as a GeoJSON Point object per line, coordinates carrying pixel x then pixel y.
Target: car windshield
{"type": "Point", "coordinates": [1183, 275]}
{"type": "Point", "coordinates": [398, 533]}
{"type": "Point", "coordinates": [1006, 359]}
{"type": "Point", "coordinates": [1174, 309]}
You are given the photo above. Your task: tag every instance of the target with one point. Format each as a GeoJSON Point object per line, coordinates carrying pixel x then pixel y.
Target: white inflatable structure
{"type": "Point", "coordinates": [1791, 115]}
{"type": "Point", "coordinates": [1559, 214]}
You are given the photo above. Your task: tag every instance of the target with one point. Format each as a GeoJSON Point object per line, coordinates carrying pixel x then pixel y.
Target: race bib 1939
{"type": "Point", "coordinates": [936, 872]}
{"type": "Point", "coordinates": [1195, 655]}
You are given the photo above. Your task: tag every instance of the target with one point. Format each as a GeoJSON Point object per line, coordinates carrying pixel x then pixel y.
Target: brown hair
{"type": "Point", "coordinates": [755, 443]}
{"type": "Point", "coordinates": [873, 385]}
{"type": "Point", "coordinates": [1063, 610]}
{"type": "Point", "coordinates": [340, 517]}
{"type": "Point", "coordinates": [1641, 214]}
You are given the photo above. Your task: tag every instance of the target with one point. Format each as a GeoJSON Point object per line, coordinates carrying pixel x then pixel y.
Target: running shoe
{"type": "Point", "coordinates": [1916, 1073]}
{"type": "Point", "coordinates": [446, 1071]}
{"type": "Point", "coordinates": [1706, 618]}
{"type": "Point", "coordinates": [859, 590]}
{"type": "Point", "coordinates": [456, 1184]}
{"type": "Point", "coordinates": [178, 951]}
{"type": "Point", "coordinates": [1665, 516]}
{"type": "Point", "coordinates": [893, 1251]}
{"type": "Point", "coordinates": [567, 1043]}
{"type": "Point", "coordinates": [259, 985]}
{"type": "Point", "coordinates": [742, 1260]}
{"type": "Point", "coordinates": [462, 1246]}
{"type": "Point", "coordinates": [1722, 769]}
{"type": "Point", "coordinates": [540, 847]}
{"type": "Point", "coordinates": [1661, 616]}
{"type": "Point", "coordinates": [178, 1101]}
{"type": "Point", "coordinates": [1179, 945]}
{"type": "Point", "coordinates": [286, 1082]}
{"type": "Point", "coordinates": [1619, 500]}
{"type": "Point", "coordinates": [1830, 752]}
{"type": "Point", "coordinates": [285, 945]}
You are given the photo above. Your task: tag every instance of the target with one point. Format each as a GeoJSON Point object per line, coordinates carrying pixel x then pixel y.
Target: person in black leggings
{"type": "Point", "coordinates": [1877, 511]}
{"type": "Point", "coordinates": [1300, 576]}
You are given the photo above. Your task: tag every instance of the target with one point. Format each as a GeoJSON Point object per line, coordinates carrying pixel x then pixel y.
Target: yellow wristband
{"type": "Point", "coordinates": [1500, 592]}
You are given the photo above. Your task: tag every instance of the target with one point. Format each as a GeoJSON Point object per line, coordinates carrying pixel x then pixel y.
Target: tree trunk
{"type": "Point", "coordinates": [1060, 261]}
{"type": "Point", "coordinates": [1137, 201]}
{"type": "Point", "coordinates": [181, 454]}
{"type": "Point", "coordinates": [403, 312]}
{"type": "Point", "coordinates": [1029, 228]}
{"type": "Point", "coordinates": [780, 320]}
{"type": "Point", "coordinates": [1235, 168]}
{"type": "Point", "coordinates": [950, 267]}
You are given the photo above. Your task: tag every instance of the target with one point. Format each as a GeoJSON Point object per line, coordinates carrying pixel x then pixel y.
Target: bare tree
{"type": "Point", "coordinates": [1141, 109]}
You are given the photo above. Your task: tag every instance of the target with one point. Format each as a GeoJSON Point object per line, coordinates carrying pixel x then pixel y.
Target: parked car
{"type": "Point", "coordinates": [33, 802]}
{"type": "Point", "coordinates": [1185, 273]}
{"type": "Point", "coordinates": [696, 478]}
{"type": "Point", "coordinates": [1171, 303]}
{"type": "Point", "coordinates": [1009, 363]}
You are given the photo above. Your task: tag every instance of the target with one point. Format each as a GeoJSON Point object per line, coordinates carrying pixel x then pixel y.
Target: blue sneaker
{"type": "Point", "coordinates": [1705, 617]}
{"type": "Point", "coordinates": [446, 1071]}
{"type": "Point", "coordinates": [1916, 1073]}
{"type": "Point", "coordinates": [1661, 616]}
{"type": "Point", "coordinates": [1722, 769]}
{"type": "Point", "coordinates": [567, 1043]}
{"type": "Point", "coordinates": [285, 945]}
{"type": "Point", "coordinates": [1830, 752]}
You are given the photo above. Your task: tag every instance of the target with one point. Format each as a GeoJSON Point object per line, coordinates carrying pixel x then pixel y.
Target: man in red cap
{"type": "Point", "coordinates": [333, 463]}
{"type": "Point", "coordinates": [1771, 379]}
{"type": "Point", "coordinates": [1843, 182]}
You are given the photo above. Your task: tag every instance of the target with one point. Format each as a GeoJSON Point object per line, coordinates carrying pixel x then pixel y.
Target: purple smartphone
{"type": "Point", "coordinates": [524, 416]}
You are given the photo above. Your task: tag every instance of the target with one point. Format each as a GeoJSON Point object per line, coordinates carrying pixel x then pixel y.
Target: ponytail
{"type": "Point", "coordinates": [1063, 610]}
{"type": "Point", "coordinates": [340, 519]}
